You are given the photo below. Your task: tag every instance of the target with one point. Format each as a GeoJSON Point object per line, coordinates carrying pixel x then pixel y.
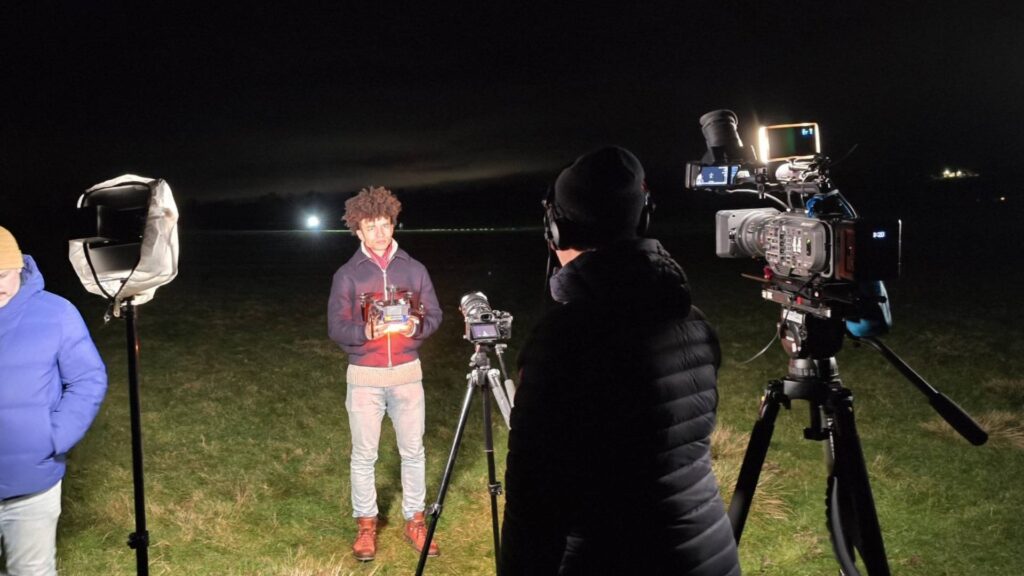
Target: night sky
{"type": "Point", "coordinates": [231, 101]}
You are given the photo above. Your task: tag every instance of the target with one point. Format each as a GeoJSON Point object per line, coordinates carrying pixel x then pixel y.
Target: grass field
{"type": "Point", "coordinates": [246, 438]}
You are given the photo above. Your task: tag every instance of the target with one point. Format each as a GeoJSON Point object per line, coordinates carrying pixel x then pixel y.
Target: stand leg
{"type": "Point", "coordinates": [435, 510]}
{"type": "Point", "coordinates": [853, 518]}
{"type": "Point", "coordinates": [753, 459]}
{"type": "Point", "coordinates": [493, 486]}
{"type": "Point", "coordinates": [138, 540]}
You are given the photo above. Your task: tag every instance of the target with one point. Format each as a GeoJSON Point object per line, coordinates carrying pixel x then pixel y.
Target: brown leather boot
{"type": "Point", "coordinates": [365, 546]}
{"type": "Point", "coordinates": [416, 534]}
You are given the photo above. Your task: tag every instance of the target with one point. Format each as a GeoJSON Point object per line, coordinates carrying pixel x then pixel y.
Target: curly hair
{"type": "Point", "coordinates": [371, 203]}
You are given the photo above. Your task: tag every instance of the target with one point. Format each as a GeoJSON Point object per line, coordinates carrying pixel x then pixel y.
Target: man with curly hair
{"type": "Point", "coordinates": [384, 373]}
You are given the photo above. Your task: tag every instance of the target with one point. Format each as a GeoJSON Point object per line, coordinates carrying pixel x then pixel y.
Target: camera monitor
{"type": "Point", "coordinates": [483, 331]}
{"type": "Point", "coordinates": [716, 176]}
{"type": "Point", "coordinates": [788, 141]}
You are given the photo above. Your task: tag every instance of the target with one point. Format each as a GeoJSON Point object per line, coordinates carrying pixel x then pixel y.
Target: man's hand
{"type": "Point", "coordinates": [374, 332]}
{"type": "Point", "coordinates": [407, 329]}
{"type": "Point", "coordinates": [411, 325]}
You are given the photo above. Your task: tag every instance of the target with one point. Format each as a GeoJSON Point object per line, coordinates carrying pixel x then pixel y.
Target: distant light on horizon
{"type": "Point", "coordinates": [313, 222]}
{"type": "Point", "coordinates": [954, 173]}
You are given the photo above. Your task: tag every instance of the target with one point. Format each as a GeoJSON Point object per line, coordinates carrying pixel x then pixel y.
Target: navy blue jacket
{"type": "Point", "coordinates": [609, 462]}
{"type": "Point", "coordinates": [345, 324]}
{"type": "Point", "coordinates": [52, 382]}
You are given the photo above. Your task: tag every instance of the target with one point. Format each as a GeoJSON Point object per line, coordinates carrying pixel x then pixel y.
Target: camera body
{"type": "Point", "coordinates": [391, 311]}
{"type": "Point", "coordinates": [794, 244]}
{"type": "Point", "coordinates": [819, 254]}
{"type": "Point", "coordinates": [817, 235]}
{"type": "Point", "coordinates": [484, 325]}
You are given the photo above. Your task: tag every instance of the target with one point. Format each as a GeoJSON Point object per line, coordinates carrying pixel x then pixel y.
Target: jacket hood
{"type": "Point", "coordinates": [31, 284]}
{"type": "Point", "coordinates": [632, 273]}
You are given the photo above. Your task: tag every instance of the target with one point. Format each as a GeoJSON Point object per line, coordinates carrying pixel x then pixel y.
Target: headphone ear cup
{"type": "Point", "coordinates": [551, 230]}
{"type": "Point", "coordinates": [645, 215]}
{"type": "Point", "coordinates": [562, 233]}
{"type": "Point", "coordinates": [556, 230]}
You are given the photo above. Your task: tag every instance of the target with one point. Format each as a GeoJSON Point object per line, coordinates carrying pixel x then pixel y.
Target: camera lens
{"type": "Point", "coordinates": [474, 304]}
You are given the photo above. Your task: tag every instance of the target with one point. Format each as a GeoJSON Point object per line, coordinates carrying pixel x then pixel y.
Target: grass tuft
{"type": "Point", "coordinates": [1003, 427]}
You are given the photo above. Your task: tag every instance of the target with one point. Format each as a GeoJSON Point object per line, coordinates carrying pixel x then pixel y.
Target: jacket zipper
{"type": "Point", "coordinates": [384, 272]}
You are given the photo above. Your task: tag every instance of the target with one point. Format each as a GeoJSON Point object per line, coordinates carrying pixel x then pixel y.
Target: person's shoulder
{"type": "Point", "coordinates": [410, 261]}
{"type": "Point", "coordinates": [49, 304]}
{"type": "Point", "coordinates": [352, 263]}
{"type": "Point", "coordinates": [574, 321]}
{"type": "Point", "coordinates": [49, 299]}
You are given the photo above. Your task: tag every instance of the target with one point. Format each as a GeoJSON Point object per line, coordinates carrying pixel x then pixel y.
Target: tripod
{"type": "Point", "coordinates": [813, 376]}
{"type": "Point", "coordinates": [479, 377]}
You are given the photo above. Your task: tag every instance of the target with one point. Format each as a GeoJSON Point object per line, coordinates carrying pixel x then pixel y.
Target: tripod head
{"type": "Point", "coordinates": [483, 376]}
{"type": "Point", "coordinates": [812, 341]}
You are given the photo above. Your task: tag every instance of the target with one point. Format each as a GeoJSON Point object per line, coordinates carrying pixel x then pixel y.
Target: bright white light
{"type": "Point", "coordinates": [763, 153]}
{"type": "Point", "coordinates": [313, 221]}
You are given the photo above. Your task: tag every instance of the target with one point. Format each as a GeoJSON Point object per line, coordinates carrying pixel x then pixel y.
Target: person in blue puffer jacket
{"type": "Point", "coordinates": [52, 382]}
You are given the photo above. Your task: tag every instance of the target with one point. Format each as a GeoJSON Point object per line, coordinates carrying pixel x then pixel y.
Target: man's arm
{"type": "Point", "coordinates": [431, 308]}
{"type": "Point", "coordinates": [84, 380]}
{"type": "Point", "coordinates": [342, 326]}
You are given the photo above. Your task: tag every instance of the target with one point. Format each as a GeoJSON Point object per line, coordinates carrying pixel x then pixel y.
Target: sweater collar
{"type": "Point", "coordinates": [381, 261]}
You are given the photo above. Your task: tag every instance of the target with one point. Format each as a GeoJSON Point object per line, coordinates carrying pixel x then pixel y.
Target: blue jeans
{"type": "Point", "coordinates": [405, 406]}
{"type": "Point", "coordinates": [28, 529]}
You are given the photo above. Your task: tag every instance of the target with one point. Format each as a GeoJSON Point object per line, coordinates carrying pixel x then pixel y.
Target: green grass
{"type": "Point", "coordinates": [246, 438]}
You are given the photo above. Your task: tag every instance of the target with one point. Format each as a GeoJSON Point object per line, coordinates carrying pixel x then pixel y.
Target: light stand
{"type": "Point", "coordinates": [479, 377]}
{"type": "Point", "coordinates": [138, 540]}
{"type": "Point", "coordinates": [125, 246]}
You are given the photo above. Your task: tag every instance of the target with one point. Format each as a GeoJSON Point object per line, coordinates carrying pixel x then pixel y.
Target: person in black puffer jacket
{"type": "Point", "coordinates": [609, 462]}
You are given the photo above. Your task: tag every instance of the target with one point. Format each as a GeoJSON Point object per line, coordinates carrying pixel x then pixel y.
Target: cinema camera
{"type": "Point", "coordinates": [825, 266]}
{"type": "Point", "coordinates": [819, 252]}
{"type": "Point", "coordinates": [483, 325]}
{"type": "Point", "coordinates": [390, 312]}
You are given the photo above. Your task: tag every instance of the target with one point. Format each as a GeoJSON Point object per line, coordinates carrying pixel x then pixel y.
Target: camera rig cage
{"type": "Point", "coordinates": [825, 266]}
{"type": "Point", "coordinates": [821, 257]}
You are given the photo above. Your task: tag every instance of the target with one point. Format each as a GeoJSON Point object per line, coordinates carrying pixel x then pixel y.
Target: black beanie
{"type": "Point", "coordinates": [602, 193]}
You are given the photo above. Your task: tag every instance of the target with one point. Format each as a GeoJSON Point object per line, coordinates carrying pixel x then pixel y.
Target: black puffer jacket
{"type": "Point", "coordinates": [609, 463]}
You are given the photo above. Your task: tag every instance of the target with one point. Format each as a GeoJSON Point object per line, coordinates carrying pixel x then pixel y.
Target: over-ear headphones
{"type": "Point", "coordinates": [562, 233]}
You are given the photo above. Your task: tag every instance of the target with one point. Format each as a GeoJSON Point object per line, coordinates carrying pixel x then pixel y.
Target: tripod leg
{"type": "Point", "coordinates": [493, 486]}
{"type": "Point", "coordinates": [850, 506]}
{"type": "Point", "coordinates": [501, 397]}
{"type": "Point", "coordinates": [435, 510]}
{"type": "Point", "coordinates": [753, 459]}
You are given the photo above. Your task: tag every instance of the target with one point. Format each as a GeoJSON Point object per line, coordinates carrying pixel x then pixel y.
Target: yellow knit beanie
{"type": "Point", "coordinates": [10, 255]}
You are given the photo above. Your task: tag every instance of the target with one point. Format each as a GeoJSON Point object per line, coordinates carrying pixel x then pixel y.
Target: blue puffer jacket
{"type": "Point", "coordinates": [52, 382]}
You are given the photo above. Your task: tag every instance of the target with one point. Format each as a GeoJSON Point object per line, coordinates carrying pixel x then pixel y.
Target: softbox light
{"type": "Point", "coordinates": [124, 245]}
{"type": "Point", "coordinates": [125, 239]}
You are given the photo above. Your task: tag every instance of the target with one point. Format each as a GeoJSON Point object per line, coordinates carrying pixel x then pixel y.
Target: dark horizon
{"type": "Point", "coordinates": [233, 103]}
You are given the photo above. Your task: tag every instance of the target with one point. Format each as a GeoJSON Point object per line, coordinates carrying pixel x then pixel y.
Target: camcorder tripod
{"type": "Point", "coordinates": [812, 343]}
{"type": "Point", "coordinates": [480, 377]}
